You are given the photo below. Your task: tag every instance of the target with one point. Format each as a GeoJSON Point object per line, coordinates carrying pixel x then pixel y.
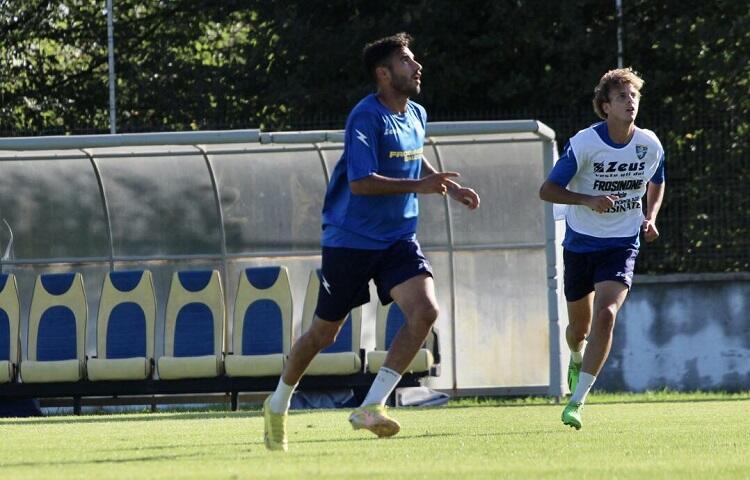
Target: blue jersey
{"type": "Point", "coordinates": [377, 141]}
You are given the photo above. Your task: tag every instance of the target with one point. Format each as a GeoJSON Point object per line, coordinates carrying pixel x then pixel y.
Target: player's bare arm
{"type": "Point", "coordinates": [431, 182]}
{"type": "Point", "coordinates": [554, 193]}
{"type": "Point", "coordinates": [465, 195]}
{"type": "Point", "coordinates": [380, 185]}
{"type": "Point", "coordinates": [654, 197]}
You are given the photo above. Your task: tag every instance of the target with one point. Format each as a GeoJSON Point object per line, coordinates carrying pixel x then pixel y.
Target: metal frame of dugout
{"type": "Point", "coordinates": [441, 137]}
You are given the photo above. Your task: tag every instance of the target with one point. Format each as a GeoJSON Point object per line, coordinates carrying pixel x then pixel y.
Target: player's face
{"type": "Point", "coordinates": [623, 103]}
{"type": "Point", "coordinates": [406, 73]}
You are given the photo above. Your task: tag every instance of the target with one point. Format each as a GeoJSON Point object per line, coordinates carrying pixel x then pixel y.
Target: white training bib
{"type": "Point", "coordinates": [607, 170]}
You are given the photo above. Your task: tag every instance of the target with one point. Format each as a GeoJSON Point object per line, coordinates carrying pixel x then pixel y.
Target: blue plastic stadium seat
{"type": "Point", "coordinates": [194, 331]}
{"type": "Point", "coordinates": [5, 342]}
{"type": "Point", "coordinates": [341, 358]}
{"type": "Point", "coordinates": [262, 323]}
{"type": "Point", "coordinates": [194, 326]}
{"type": "Point", "coordinates": [57, 329]}
{"type": "Point", "coordinates": [56, 338]}
{"type": "Point", "coordinates": [9, 328]}
{"type": "Point", "coordinates": [389, 321]}
{"type": "Point", "coordinates": [262, 329]}
{"type": "Point", "coordinates": [125, 327]}
{"type": "Point", "coordinates": [126, 332]}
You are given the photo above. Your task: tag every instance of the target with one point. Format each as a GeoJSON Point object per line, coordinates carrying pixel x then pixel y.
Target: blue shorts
{"type": "Point", "coordinates": [583, 270]}
{"type": "Point", "coordinates": [346, 273]}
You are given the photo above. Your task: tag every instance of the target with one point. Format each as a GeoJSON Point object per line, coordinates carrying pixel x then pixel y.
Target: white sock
{"type": "Point", "coordinates": [577, 357]}
{"type": "Point", "coordinates": [585, 382]}
{"type": "Point", "coordinates": [383, 385]}
{"type": "Point", "coordinates": [282, 397]}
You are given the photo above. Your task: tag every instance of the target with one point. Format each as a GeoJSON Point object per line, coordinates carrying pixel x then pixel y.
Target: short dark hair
{"type": "Point", "coordinates": [376, 54]}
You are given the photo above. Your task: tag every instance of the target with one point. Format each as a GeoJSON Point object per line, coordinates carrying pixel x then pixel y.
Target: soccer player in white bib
{"type": "Point", "coordinates": [369, 232]}
{"type": "Point", "coordinates": [600, 181]}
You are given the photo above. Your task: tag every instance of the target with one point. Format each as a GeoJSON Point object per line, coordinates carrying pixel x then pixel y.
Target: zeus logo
{"type": "Point", "coordinates": [325, 283]}
{"type": "Point", "coordinates": [598, 167]}
{"type": "Point", "coordinates": [361, 137]}
{"type": "Point", "coordinates": [623, 167]}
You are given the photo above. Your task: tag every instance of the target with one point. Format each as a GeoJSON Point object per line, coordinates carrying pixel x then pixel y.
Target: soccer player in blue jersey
{"type": "Point", "coordinates": [600, 180]}
{"type": "Point", "coordinates": [369, 224]}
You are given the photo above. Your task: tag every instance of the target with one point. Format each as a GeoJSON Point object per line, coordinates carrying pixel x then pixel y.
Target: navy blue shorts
{"type": "Point", "coordinates": [583, 270]}
{"type": "Point", "coordinates": [347, 273]}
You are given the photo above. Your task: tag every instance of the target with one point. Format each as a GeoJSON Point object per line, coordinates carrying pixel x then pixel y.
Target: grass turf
{"type": "Point", "coordinates": [663, 435]}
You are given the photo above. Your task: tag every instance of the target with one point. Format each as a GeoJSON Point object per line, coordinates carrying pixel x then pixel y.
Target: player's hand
{"type": "Point", "coordinates": [464, 195]}
{"type": "Point", "coordinates": [601, 203]}
{"type": "Point", "coordinates": [436, 182]}
{"type": "Point", "coordinates": [650, 232]}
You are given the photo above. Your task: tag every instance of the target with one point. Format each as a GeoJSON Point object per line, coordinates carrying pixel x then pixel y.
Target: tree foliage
{"type": "Point", "coordinates": [273, 64]}
{"type": "Point", "coordinates": [189, 64]}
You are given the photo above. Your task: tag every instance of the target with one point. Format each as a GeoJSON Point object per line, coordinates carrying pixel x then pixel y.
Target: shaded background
{"type": "Point", "coordinates": [289, 65]}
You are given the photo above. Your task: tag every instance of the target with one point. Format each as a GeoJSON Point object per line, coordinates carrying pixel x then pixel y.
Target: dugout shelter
{"type": "Point", "coordinates": [226, 201]}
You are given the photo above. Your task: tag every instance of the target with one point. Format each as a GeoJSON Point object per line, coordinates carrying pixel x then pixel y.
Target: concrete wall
{"type": "Point", "coordinates": [682, 332]}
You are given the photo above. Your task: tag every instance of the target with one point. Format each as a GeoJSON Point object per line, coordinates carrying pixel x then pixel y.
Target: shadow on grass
{"type": "Point", "coordinates": [402, 438]}
{"type": "Point", "coordinates": [466, 403]}
{"type": "Point", "coordinates": [372, 438]}
{"type": "Point", "coordinates": [192, 445]}
{"type": "Point", "coordinates": [136, 417]}
{"type": "Point", "coordinates": [602, 399]}
{"type": "Point", "coordinates": [98, 461]}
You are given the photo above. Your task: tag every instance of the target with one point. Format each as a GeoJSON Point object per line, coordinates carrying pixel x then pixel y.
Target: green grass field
{"type": "Point", "coordinates": [631, 436]}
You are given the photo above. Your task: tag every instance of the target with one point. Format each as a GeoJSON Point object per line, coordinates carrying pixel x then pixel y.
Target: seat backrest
{"type": "Point", "coordinates": [262, 321]}
{"type": "Point", "coordinates": [388, 322]}
{"type": "Point", "coordinates": [57, 318]}
{"type": "Point", "coordinates": [9, 318]}
{"type": "Point", "coordinates": [389, 319]}
{"type": "Point", "coordinates": [349, 338]}
{"type": "Point", "coordinates": [195, 316]}
{"type": "Point", "coordinates": [127, 315]}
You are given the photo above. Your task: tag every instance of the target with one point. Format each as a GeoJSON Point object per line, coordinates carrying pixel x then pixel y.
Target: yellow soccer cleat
{"type": "Point", "coordinates": [375, 419]}
{"type": "Point", "coordinates": [274, 431]}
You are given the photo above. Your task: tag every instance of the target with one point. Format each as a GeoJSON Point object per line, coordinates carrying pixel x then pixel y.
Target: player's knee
{"type": "Point", "coordinates": [432, 314]}
{"type": "Point", "coordinates": [323, 338]}
{"type": "Point", "coordinates": [578, 332]}
{"type": "Point", "coordinates": [606, 318]}
{"type": "Point", "coordinates": [426, 314]}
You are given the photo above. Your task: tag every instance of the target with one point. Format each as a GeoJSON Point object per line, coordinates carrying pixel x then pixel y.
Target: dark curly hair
{"type": "Point", "coordinates": [377, 53]}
